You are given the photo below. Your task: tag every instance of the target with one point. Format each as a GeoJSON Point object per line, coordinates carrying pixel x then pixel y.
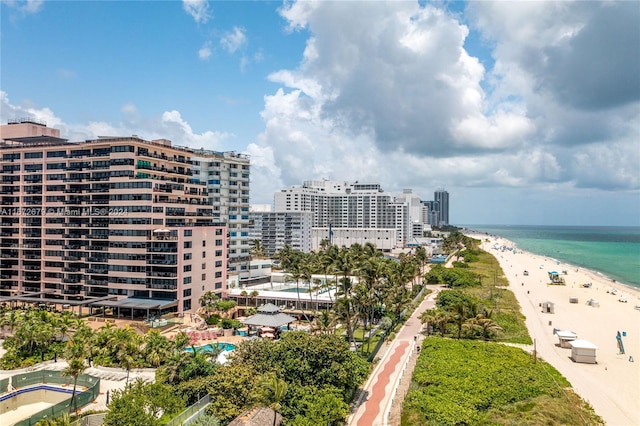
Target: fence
{"type": "Point", "coordinates": [90, 420]}
{"type": "Point", "coordinates": [182, 418]}
{"type": "Point", "coordinates": [20, 381]}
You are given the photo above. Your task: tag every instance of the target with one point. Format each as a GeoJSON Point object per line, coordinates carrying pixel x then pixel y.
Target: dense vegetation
{"type": "Point", "coordinates": [477, 305]}
{"type": "Point", "coordinates": [319, 373]}
{"type": "Point", "coordinates": [463, 382]}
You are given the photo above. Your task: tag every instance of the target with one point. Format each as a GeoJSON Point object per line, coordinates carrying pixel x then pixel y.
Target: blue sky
{"type": "Point", "coordinates": [526, 112]}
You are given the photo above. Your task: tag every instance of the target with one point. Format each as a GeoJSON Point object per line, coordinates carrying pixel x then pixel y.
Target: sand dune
{"type": "Point", "coordinates": [612, 385]}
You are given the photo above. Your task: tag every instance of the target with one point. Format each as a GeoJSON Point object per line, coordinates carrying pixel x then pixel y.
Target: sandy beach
{"type": "Point", "coordinates": [612, 385]}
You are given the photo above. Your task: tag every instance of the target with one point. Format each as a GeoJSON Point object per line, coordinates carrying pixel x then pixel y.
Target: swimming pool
{"type": "Point", "coordinates": [211, 347]}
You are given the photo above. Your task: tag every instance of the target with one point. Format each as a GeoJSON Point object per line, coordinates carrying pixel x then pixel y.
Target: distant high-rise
{"type": "Point", "coordinates": [353, 212]}
{"type": "Point", "coordinates": [442, 198]}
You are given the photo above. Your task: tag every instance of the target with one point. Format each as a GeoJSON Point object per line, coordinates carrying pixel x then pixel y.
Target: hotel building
{"type": "Point", "coordinates": [347, 213]}
{"type": "Point", "coordinates": [112, 222]}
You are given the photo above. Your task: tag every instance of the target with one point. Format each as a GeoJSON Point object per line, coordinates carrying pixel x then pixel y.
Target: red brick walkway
{"type": "Point", "coordinates": [372, 406]}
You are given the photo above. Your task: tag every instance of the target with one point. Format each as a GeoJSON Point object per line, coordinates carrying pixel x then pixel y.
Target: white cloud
{"type": "Point", "coordinates": [234, 40]}
{"type": "Point", "coordinates": [25, 6]}
{"type": "Point", "coordinates": [170, 125]}
{"type": "Point", "coordinates": [198, 9]}
{"type": "Point", "coordinates": [205, 51]}
{"type": "Point", "coordinates": [394, 97]}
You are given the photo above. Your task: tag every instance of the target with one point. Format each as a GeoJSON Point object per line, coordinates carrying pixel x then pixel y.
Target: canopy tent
{"type": "Point", "coordinates": [269, 315]}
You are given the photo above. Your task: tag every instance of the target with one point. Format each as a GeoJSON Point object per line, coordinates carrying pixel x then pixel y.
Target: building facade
{"type": "Point", "coordinates": [442, 198]}
{"type": "Point", "coordinates": [113, 219]}
{"type": "Point", "coordinates": [226, 176]}
{"type": "Point", "coordinates": [351, 206]}
{"type": "Point", "coordinates": [277, 229]}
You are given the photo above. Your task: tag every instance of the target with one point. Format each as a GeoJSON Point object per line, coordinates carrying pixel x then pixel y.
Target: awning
{"type": "Point", "coordinates": [137, 303]}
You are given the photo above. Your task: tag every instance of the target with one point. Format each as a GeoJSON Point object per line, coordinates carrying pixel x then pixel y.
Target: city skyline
{"type": "Point", "coordinates": [520, 129]}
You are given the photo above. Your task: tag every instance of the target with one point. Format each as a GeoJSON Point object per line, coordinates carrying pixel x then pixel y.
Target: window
{"type": "Point", "coordinates": [187, 244]}
{"type": "Point", "coordinates": [187, 256]}
{"type": "Point", "coordinates": [204, 277]}
{"type": "Point", "coordinates": [204, 254]}
{"type": "Point", "coordinates": [219, 231]}
{"type": "Point", "coordinates": [188, 232]}
{"type": "Point", "coordinates": [204, 265]}
{"type": "Point", "coordinates": [186, 292]}
{"type": "Point", "coordinates": [218, 274]}
{"type": "Point", "coordinates": [218, 286]}
{"type": "Point", "coordinates": [186, 268]}
{"type": "Point", "coordinates": [218, 263]}
{"type": "Point", "coordinates": [186, 305]}
{"type": "Point", "coordinates": [218, 242]}
{"type": "Point", "coordinates": [186, 280]}
{"type": "Point", "coordinates": [204, 243]}
{"type": "Point", "coordinates": [218, 253]}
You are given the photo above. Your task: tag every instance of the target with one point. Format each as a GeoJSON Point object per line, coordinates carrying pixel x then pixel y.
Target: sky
{"type": "Point", "coordinates": [525, 112]}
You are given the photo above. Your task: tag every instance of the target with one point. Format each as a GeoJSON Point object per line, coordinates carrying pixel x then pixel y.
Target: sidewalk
{"type": "Point", "coordinates": [377, 395]}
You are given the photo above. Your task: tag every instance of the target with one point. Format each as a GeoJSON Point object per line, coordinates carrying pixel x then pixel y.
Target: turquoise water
{"type": "Point", "coordinates": [210, 347]}
{"type": "Point", "coordinates": [612, 251]}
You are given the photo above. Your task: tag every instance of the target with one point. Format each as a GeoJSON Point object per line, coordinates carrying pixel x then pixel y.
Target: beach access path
{"type": "Point", "coordinates": [612, 385]}
{"type": "Point", "coordinates": [378, 394]}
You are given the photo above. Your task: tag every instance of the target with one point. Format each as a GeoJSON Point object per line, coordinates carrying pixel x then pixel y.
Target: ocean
{"type": "Point", "coordinates": [611, 251]}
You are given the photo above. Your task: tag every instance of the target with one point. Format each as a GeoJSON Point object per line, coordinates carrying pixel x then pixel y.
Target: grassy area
{"type": "Point", "coordinates": [505, 306]}
{"type": "Point", "coordinates": [464, 382]}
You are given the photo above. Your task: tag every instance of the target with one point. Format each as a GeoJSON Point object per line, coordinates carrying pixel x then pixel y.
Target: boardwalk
{"type": "Point", "coordinates": [378, 393]}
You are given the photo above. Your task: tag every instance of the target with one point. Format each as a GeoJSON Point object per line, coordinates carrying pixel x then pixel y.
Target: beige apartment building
{"type": "Point", "coordinates": [112, 222]}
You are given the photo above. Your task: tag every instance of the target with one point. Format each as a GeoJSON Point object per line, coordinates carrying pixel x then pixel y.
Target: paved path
{"type": "Point", "coordinates": [377, 395]}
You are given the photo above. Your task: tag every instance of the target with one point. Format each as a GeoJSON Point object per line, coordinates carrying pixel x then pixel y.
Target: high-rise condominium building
{"type": "Point", "coordinates": [113, 222]}
{"type": "Point", "coordinates": [226, 176]}
{"type": "Point", "coordinates": [274, 230]}
{"type": "Point", "coordinates": [442, 198]}
{"type": "Point", "coordinates": [357, 210]}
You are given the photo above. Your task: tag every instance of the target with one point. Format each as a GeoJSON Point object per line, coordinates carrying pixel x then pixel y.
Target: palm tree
{"type": "Point", "coordinates": [156, 348]}
{"type": "Point", "coordinates": [125, 345]}
{"type": "Point", "coordinates": [460, 316]}
{"type": "Point", "coordinates": [345, 266]}
{"type": "Point", "coordinates": [254, 296]}
{"type": "Point", "coordinates": [255, 251]}
{"type": "Point", "coordinates": [272, 392]}
{"type": "Point", "coordinates": [208, 301]}
{"type": "Point", "coordinates": [296, 271]}
{"type": "Point", "coordinates": [324, 323]}
{"type": "Point", "coordinates": [284, 256]}
{"type": "Point", "coordinates": [75, 368]}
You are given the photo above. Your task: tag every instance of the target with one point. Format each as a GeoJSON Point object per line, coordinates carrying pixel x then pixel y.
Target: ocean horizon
{"type": "Point", "coordinates": [611, 251]}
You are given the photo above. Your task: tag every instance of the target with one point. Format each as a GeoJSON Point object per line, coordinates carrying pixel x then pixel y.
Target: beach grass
{"type": "Point", "coordinates": [481, 383]}
{"type": "Point", "coordinates": [500, 300]}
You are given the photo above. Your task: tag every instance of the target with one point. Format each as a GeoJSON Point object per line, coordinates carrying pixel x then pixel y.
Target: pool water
{"type": "Point", "coordinates": [211, 347]}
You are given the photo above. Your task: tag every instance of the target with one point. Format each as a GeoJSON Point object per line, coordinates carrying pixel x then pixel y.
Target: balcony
{"type": "Point", "coordinates": [162, 274]}
{"type": "Point", "coordinates": [97, 282]}
{"type": "Point", "coordinates": [32, 267]}
{"type": "Point", "coordinates": [71, 258]}
{"type": "Point", "coordinates": [32, 277]}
